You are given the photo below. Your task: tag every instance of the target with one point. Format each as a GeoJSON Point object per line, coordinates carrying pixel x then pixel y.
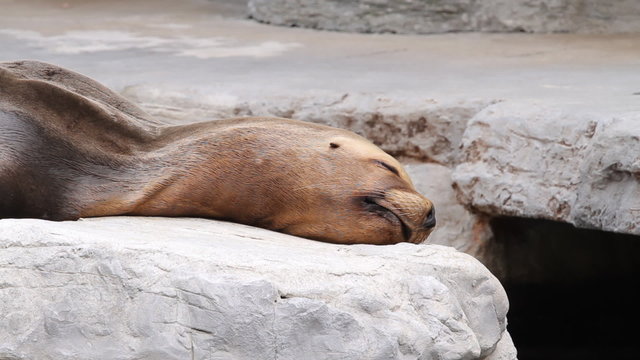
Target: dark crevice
{"type": "Point", "coordinates": [572, 292]}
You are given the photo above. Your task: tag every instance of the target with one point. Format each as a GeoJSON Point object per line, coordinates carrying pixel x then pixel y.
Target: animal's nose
{"type": "Point", "coordinates": [430, 220]}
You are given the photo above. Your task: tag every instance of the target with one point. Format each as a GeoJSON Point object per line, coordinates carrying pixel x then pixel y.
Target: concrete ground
{"type": "Point", "coordinates": [212, 49]}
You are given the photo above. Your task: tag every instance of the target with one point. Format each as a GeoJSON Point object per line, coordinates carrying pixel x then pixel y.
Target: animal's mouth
{"type": "Point", "coordinates": [382, 208]}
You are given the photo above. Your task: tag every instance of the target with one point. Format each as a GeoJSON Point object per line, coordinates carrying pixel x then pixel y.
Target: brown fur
{"type": "Point", "coordinates": [71, 148]}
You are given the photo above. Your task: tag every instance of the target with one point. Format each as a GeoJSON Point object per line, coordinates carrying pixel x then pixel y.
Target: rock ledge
{"type": "Point", "coordinates": [146, 288]}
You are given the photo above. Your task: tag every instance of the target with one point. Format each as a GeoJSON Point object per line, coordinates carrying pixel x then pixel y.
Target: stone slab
{"type": "Point", "coordinates": [132, 288]}
{"type": "Point", "coordinates": [578, 167]}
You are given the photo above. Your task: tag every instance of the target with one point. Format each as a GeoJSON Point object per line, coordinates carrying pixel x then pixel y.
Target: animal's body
{"type": "Point", "coordinates": [71, 148]}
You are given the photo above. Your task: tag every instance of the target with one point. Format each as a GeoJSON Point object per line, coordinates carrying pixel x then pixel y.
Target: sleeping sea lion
{"type": "Point", "coordinates": [71, 148]}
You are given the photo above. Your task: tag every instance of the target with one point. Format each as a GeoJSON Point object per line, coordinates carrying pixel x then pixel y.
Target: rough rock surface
{"type": "Point", "coordinates": [581, 168]}
{"type": "Point", "coordinates": [439, 16]}
{"type": "Point", "coordinates": [148, 288]}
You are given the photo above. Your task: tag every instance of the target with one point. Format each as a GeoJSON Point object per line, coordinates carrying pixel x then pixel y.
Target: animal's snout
{"type": "Point", "coordinates": [430, 219]}
{"type": "Point", "coordinates": [414, 209]}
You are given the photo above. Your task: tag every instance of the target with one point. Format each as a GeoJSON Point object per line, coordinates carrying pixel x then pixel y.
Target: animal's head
{"type": "Point", "coordinates": [323, 183]}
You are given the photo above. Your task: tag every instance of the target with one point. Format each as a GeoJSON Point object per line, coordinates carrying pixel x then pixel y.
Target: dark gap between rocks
{"type": "Point", "coordinates": [572, 292]}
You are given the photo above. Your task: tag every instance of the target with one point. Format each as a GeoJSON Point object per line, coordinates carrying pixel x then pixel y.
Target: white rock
{"type": "Point", "coordinates": [152, 288]}
{"type": "Point", "coordinates": [608, 195]}
{"type": "Point", "coordinates": [505, 349]}
{"type": "Point", "coordinates": [545, 162]}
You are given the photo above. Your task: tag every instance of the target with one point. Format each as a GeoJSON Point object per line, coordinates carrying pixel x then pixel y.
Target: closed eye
{"type": "Point", "coordinates": [388, 167]}
{"type": "Point", "coordinates": [372, 205]}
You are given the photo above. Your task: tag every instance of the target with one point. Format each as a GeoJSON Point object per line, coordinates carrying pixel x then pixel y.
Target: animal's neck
{"type": "Point", "coordinates": [159, 181]}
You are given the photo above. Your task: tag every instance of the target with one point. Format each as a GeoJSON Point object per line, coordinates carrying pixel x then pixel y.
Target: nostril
{"type": "Point", "coordinates": [430, 221]}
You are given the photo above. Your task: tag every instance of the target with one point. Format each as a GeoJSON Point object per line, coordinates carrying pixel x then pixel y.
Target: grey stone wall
{"type": "Point", "coordinates": [440, 16]}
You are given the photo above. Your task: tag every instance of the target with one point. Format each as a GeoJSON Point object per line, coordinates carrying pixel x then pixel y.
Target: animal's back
{"type": "Point", "coordinates": [52, 76]}
{"type": "Point", "coordinates": [57, 128]}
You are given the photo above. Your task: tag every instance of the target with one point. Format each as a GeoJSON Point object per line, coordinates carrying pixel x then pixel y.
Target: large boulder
{"type": "Point", "coordinates": [439, 16]}
{"type": "Point", "coordinates": [560, 164]}
{"type": "Point", "coordinates": [153, 288]}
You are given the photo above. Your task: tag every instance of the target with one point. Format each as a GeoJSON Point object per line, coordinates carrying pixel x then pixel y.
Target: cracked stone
{"type": "Point", "coordinates": [133, 288]}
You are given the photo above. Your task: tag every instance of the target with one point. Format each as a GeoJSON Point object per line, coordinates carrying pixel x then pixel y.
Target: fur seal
{"type": "Point", "coordinates": [71, 148]}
